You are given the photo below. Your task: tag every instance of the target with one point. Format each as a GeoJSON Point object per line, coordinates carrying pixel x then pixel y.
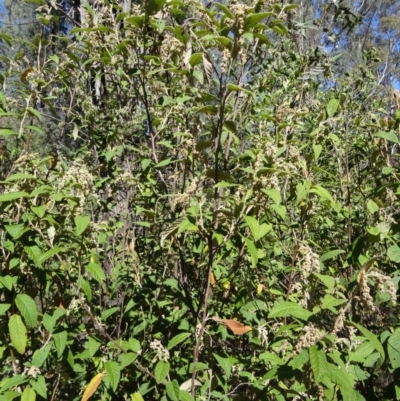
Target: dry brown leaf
{"type": "Point", "coordinates": [92, 386]}
{"type": "Point", "coordinates": [233, 325]}
{"type": "Point", "coordinates": [207, 68]}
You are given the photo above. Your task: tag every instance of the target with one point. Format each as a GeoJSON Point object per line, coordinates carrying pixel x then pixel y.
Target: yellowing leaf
{"type": "Point", "coordinates": [92, 386]}
{"type": "Point", "coordinates": [212, 279]}
{"type": "Point", "coordinates": [260, 287]}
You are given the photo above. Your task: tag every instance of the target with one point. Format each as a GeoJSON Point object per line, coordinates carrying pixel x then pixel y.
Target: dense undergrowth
{"type": "Point", "coordinates": [225, 225]}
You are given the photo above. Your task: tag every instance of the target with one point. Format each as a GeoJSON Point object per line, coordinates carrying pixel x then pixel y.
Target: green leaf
{"type": "Point", "coordinates": [225, 364]}
{"type": "Point", "coordinates": [393, 253]}
{"type": "Point", "coordinates": [163, 163]}
{"type": "Point", "coordinates": [329, 302]}
{"type": "Point", "coordinates": [173, 391]}
{"type": "Point", "coordinates": [252, 251]}
{"type": "Point", "coordinates": [185, 396]}
{"type": "Point", "coordinates": [302, 190]}
{"type": "Point", "coordinates": [177, 340]}
{"type": "Point", "coordinates": [13, 382]}
{"type": "Point", "coordinates": [18, 333]}
{"type": "Point", "coordinates": [274, 194]}
{"type": "Point", "coordinates": [372, 206]}
{"type": "Point", "coordinates": [137, 397]}
{"type": "Point", "coordinates": [12, 196]}
{"type": "Point", "coordinates": [39, 356]}
{"type": "Point", "coordinates": [134, 345]}
{"type": "Point", "coordinates": [272, 358]}
{"type": "Point", "coordinates": [39, 385]}
{"type": "Point", "coordinates": [85, 286]}
{"type": "Point", "coordinates": [319, 363]}
{"type": "Point", "coordinates": [113, 373]}
{"type": "Point", "coordinates": [60, 341]}
{"type": "Point", "coordinates": [109, 312]}
{"type": "Point", "coordinates": [370, 336]}
{"type": "Point", "coordinates": [96, 271]}
{"type": "Point", "coordinates": [332, 107]}
{"type": "Point", "coordinates": [285, 309]}
{"type": "Point", "coordinates": [252, 20]}
{"type": "Point", "coordinates": [15, 230]}
{"type": "Point", "coordinates": [81, 223]}
{"type": "Point", "coordinates": [389, 136]}
{"type": "Point", "coordinates": [253, 224]}
{"type": "Point", "coordinates": [328, 281]}
{"type": "Point", "coordinates": [28, 309]}
{"type": "Point", "coordinates": [93, 346]}
{"type": "Point", "coordinates": [330, 255]}
{"type": "Point", "coordinates": [34, 253]}
{"type": "Point", "coordinates": [317, 151]}
{"type": "Point", "coordinates": [8, 282]}
{"type": "Point", "coordinates": [29, 394]}
{"type": "Point", "coordinates": [50, 253]}
{"type": "Point", "coordinates": [393, 349]}
{"type": "Point", "coordinates": [4, 308]}
{"type": "Point", "coordinates": [322, 192]}
{"type": "Point", "coordinates": [161, 371]}
{"type": "Point", "coordinates": [127, 359]}
{"type": "Point", "coordinates": [7, 132]}
{"type": "Point", "coordinates": [226, 10]}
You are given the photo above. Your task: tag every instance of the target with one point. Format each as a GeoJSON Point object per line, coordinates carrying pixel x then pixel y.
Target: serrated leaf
{"type": "Point", "coordinates": [332, 107]}
{"type": "Point", "coordinates": [286, 308]}
{"type": "Point", "coordinates": [34, 253]}
{"type": "Point", "coordinates": [172, 229]}
{"type": "Point", "coordinates": [29, 394]}
{"type": "Point", "coordinates": [15, 230]}
{"type": "Point", "coordinates": [12, 196]}
{"type": "Point", "coordinates": [329, 302]}
{"type": "Point", "coordinates": [81, 223]}
{"type": "Point", "coordinates": [161, 371]}
{"type": "Point", "coordinates": [92, 386]}
{"type": "Point", "coordinates": [328, 281]}
{"type": "Point", "coordinates": [370, 336]}
{"type": "Point", "coordinates": [274, 194]}
{"type": "Point", "coordinates": [13, 382]}
{"type": "Point", "coordinates": [18, 333]}
{"type": "Point", "coordinates": [302, 190]}
{"type": "Point", "coordinates": [173, 391]}
{"type": "Point", "coordinates": [134, 345]}
{"type": "Point", "coordinates": [177, 340]}
{"type": "Point", "coordinates": [96, 271]}
{"type": "Point", "coordinates": [195, 59]}
{"type": "Point", "coordinates": [225, 364]}
{"type": "Point", "coordinates": [393, 349]}
{"type": "Point", "coordinates": [39, 356]}
{"type": "Point", "coordinates": [39, 385]}
{"type": "Point", "coordinates": [319, 363]}
{"type": "Point", "coordinates": [252, 251]}
{"type": "Point", "coordinates": [113, 373]}
{"type": "Point", "coordinates": [60, 341]}
{"type": "Point", "coordinates": [389, 136]}
{"type": "Point", "coordinates": [393, 253]}
{"type": "Point", "coordinates": [27, 306]}
{"type": "Point", "coordinates": [253, 224]}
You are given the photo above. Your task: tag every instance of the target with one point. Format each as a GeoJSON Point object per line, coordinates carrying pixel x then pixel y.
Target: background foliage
{"type": "Point", "coordinates": [219, 217]}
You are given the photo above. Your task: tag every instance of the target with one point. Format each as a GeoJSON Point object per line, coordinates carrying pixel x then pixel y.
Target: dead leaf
{"type": "Point", "coordinates": [92, 386]}
{"type": "Point", "coordinates": [233, 325]}
{"type": "Point", "coordinates": [207, 68]}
